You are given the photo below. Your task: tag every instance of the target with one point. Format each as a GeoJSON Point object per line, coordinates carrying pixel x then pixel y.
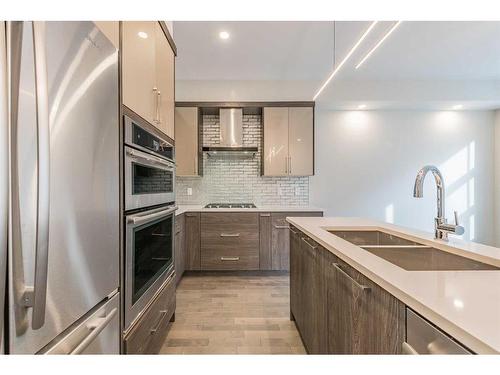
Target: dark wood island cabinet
{"type": "Point", "coordinates": [338, 310]}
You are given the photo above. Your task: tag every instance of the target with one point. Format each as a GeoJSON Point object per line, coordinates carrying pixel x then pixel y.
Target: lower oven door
{"type": "Point", "coordinates": [149, 257]}
{"type": "Point", "coordinates": [149, 180]}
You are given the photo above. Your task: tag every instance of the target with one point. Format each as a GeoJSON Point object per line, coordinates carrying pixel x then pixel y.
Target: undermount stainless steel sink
{"type": "Point", "coordinates": [407, 254]}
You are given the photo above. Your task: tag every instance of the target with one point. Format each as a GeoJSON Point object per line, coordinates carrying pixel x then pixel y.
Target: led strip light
{"type": "Point", "coordinates": [378, 44]}
{"type": "Point", "coordinates": [365, 34]}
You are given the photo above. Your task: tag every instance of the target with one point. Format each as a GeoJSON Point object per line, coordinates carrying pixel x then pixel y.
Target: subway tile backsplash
{"type": "Point", "coordinates": [236, 178]}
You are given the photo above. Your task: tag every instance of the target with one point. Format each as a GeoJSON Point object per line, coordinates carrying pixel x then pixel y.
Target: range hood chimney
{"type": "Point", "coordinates": [231, 127]}
{"type": "Point", "coordinates": [231, 134]}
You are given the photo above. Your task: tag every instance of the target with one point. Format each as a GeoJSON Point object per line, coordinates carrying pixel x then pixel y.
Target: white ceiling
{"type": "Point", "coordinates": [255, 50]}
{"type": "Point", "coordinates": [304, 50]}
{"type": "Point", "coordinates": [433, 52]}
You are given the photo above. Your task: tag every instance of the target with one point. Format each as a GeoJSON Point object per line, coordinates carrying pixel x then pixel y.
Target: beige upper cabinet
{"type": "Point", "coordinates": [186, 141]}
{"type": "Point", "coordinates": [288, 141]}
{"type": "Point", "coordinates": [139, 68]}
{"type": "Point", "coordinates": [275, 141]}
{"type": "Point", "coordinates": [300, 141]}
{"type": "Point", "coordinates": [148, 73]}
{"type": "Point", "coordinates": [165, 79]}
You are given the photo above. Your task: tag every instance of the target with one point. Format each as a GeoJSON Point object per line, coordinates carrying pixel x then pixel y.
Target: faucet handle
{"type": "Point", "coordinates": [459, 230]}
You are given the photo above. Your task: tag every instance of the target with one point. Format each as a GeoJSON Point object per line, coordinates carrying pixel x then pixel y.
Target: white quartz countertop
{"type": "Point", "coordinates": [200, 208]}
{"type": "Point", "coordinates": [465, 304]}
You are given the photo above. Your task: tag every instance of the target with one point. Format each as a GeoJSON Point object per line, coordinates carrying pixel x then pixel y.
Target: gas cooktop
{"type": "Point", "coordinates": [230, 205]}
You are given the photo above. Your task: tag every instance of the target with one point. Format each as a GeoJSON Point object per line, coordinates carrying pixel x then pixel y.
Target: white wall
{"type": "Point", "coordinates": [366, 162]}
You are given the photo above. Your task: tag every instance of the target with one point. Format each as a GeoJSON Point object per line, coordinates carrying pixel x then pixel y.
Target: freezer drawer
{"type": "Point", "coordinates": [424, 338]}
{"type": "Point", "coordinates": [97, 333]}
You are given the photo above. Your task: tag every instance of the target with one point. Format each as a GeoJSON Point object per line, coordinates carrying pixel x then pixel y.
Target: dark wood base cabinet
{"type": "Point", "coordinates": [338, 310]}
{"type": "Point", "coordinates": [179, 253]}
{"type": "Point", "coordinates": [229, 241]}
{"type": "Point", "coordinates": [307, 291]}
{"type": "Point", "coordinates": [233, 241]}
{"type": "Point", "coordinates": [192, 241]}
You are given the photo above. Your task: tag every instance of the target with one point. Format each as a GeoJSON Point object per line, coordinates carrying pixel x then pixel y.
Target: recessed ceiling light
{"type": "Point", "coordinates": [362, 106]}
{"type": "Point", "coordinates": [345, 58]}
{"type": "Point", "coordinates": [224, 35]}
{"type": "Point", "coordinates": [378, 44]}
{"type": "Point", "coordinates": [142, 35]}
{"type": "Point", "coordinates": [458, 106]}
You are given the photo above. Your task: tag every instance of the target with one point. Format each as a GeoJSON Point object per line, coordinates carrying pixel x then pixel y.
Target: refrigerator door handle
{"type": "Point", "coordinates": [4, 177]}
{"type": "Point", "coordinates": [95, 328]}
{"type": "Point", "coordinates": [36, 296]}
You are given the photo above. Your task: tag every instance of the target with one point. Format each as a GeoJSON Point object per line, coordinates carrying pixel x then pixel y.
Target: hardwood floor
{"type": "Point", "coordinates": [233, 314]}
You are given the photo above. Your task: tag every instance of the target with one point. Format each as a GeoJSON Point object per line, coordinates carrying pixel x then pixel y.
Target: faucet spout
{"type": "Point", "coordinates": [418, 189]}
{"type": "Point", "coordinates": [441, 227]}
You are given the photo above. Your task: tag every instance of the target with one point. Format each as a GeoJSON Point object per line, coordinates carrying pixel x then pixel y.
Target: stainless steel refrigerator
{"type": "Point", "coordinates": [59, 208]}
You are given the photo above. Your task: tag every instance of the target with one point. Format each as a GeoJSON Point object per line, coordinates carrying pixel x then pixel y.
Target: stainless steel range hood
{"type": "Point", "coordinates": [231, 134]}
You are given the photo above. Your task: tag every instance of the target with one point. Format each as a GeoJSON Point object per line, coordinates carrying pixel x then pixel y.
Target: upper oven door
{"type": "Point", "coordinates": [147, 139]}
{"type": "Point", "coordinates": [149, 257]}
{"type": "Point", "coordinates": [149, 180]}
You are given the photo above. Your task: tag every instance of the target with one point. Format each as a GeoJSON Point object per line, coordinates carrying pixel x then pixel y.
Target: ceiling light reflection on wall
{"type": "Point", "coordinates": [362, 106]}
{"type": "Point", "coordinates": [457, 106]}
{"type": "Point", "coordinates": [142, 35]}
{"type": "Point", "coordinates": [378, 44]}
{"type": "Point", "coordinates": [365, 34]}
{"type": "Point", "coordinates": [224, 35]}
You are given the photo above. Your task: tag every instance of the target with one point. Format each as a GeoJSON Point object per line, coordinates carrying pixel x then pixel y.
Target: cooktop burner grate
{"type": "Point", "coordinates": [230, 205]}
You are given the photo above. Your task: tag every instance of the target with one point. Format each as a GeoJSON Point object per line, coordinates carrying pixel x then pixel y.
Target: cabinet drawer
{"type": "Point", "coordinates": [148, 334]}
{"type": "Point", "coordinates": [229, 236]}
{"type": "Point", "coordinates": [233, 258]}
{"type": "Point", "coordinates": [230, 241]}
{"type": "Point", "coordinates": [230, 218]}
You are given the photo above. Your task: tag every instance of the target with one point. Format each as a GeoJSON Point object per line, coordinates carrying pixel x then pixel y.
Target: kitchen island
{"type": "Point", "coordinates": [464, 304]}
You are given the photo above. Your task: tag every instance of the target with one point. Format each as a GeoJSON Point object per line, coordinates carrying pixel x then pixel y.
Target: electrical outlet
{"type": "Point", "coordinates": [297, 190]}
{"type": "Point", "coordinates": [279, 191]}
{"type": "Point", "coordinates": [189, 191]}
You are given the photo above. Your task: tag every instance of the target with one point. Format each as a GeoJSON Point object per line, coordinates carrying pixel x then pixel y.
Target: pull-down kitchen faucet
{"type": "Point", "coordinates": [441, 227]}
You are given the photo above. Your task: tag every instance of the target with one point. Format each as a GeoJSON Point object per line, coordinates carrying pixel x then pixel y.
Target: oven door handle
{"type": "Point", "coordinates": [152, 159]}
{"type": "Point", "coordinates": [138, 219]}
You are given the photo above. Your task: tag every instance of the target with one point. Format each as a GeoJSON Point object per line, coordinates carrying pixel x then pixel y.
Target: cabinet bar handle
{"type": "Point", "coordinates": [155, 93]}
{"type": "Point", "coordinates": [158, 105]}
{"type": "Point", "coordinates": [307, 242]}
{"type": "Point", "coordinates": [229, 258]}
{"type": "Point", "coordinates": [289, 165]}
{"type": "Point", "coordinates": [229, 234]}
{"type": "Point", "coordinates": [362, 287]}
{"type": "Point", "coordinates": [163, 314]}
{"type": "Point", "coordinates": [293, 231]}
{"type": "Point", "coordinates": [265, 215]}
{"type": "Point", "coordinates": [408, 349]}
{"type": "Point", "coordinates": [281, 226]}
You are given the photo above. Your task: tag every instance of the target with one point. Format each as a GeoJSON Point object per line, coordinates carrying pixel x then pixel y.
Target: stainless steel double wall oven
{"type": "Point", "coordinates": [149, 180]}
